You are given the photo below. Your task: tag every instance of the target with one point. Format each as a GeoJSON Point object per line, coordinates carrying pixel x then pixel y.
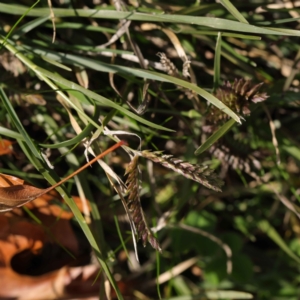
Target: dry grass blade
{"type": "Point", "coordinates": [201, 174]}
{"type": "Point", "coordinates": [53, 20]}
{"type": "Point", "coordinates": [273, 132]}
{"type": "Point", "coordinates": [173, 272]}
{"type": "Point", "coordinates": [134, 205]}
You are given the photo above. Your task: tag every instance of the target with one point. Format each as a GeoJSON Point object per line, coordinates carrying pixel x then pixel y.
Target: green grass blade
{"type": "Point", "coordinates": [217, 23]}
{"type": "Point", "coordinates": [48, 231]}
{"type": "Point", "coordinates": [217, 63]}
{"type": "Point", "coordinates": [17, 123]}
{"type": "Point", "coordinates": [10, 133]}
{"type": "Point", "coordinates": [232, 9]}
{"type": "Point", "coordinates": [100, 100]}
{"type": "Point", "coordinates": [157, 274]}
{"type": "Point", "coordinates": [214, 137]}
{"type": "Point", "coordinates": [268, 229]}
{"type": "Point", "coordinates": [43, 73]}
{"type": "Point", "coordinates": [123, 244]}
{"type": "Point", "coordinates": [16, 23]}
{"type": "Point", "coordinates": [78, 138]}
{"type": "Point", "coordinates": [29, 26]}
{"type": "Point", "coordinates": [126, 71]}
{"type": "Point", "coordinates": [209, 97]}
{"type": "Point", "coordinates": [55, 63]}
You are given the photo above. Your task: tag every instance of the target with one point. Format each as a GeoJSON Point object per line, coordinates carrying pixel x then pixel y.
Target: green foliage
{"type": "Point", "coordinates": [96, 79]}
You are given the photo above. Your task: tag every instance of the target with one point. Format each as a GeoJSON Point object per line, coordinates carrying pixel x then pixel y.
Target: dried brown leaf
{"type": "Point", "coordinates": [13, 193]}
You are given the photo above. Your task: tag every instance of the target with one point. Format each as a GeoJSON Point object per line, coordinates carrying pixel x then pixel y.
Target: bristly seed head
{"type": "Point", "coordinates": [134, 205]}
{"type": "Point", "coordinates": [238, 97]}
{"type": "Point", "coordinates": [201, 174]}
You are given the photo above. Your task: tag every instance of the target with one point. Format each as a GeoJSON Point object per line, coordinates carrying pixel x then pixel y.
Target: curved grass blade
{"type": "Point", "coordinates": [10, 133]}
{"type": "Point", "coordinates": [78, 138]}
{"type": "Point", "coordinates": [214, 137]}
{"type": "Point", "coordinates": [98, 99]}
{"type": "Point", "coordinates": [209, 97]}
{"type": "Point", "coordinates": [43, 73]}
{"type": "Point", "coordinates": [217, 23]}
{"type": "Point", "coordinates": [55, 63]}
{"type": "Point", "coordinates": [232, 9]}
{"type": "Point", "coordinates": [29, 26]}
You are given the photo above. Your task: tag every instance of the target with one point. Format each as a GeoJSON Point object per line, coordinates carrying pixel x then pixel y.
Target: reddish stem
{"type": "Point", "coordinates": [112, 148]}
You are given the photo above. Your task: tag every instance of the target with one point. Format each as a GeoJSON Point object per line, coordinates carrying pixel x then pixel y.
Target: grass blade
{"type": "Point", "coordinates": [217, 64]}
{"type": "Point", "coordinates": [214, 137]}
{"type": "Point", "coordinates": [267, 228]}
{"type": "Point", "coordinates": [232, 9]}
{"type": "Point", "coordinates": [217, 23]}
{"type": "Point", "coordinates": [209, 97]}
{"type": "Point", "coordinates": [17, 123]}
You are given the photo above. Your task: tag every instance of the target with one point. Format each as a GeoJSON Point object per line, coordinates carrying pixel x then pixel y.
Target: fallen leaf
{"type": "Point", "coordinates": [6, 147]}
{"type": "Point", "coordinates": [8, 180]}
{"type": "Point", "coordinates": [23, 287]}
{"type": "Point", "coordinates": [48, 204]}
{"type": "Point", "coordinates": [23, 243]}
{"type": "Point", "coordinates": [18, 234]}
{"type": "Point", "coordinates": [13, 193]}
